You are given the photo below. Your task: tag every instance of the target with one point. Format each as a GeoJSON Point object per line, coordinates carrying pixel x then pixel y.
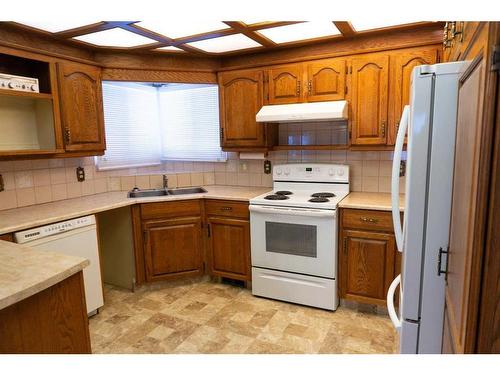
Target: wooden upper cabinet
{"type": "Point", "coordinates": [369, 99]}
{"type": "Point", "coordinates": [402, 65]}
{"type": "Point", "coordinates": [326, 80]}
{"type": "Point", "coordinates": [81, 107]}
{"type": "Point", "coordinates": [241, 97]}
{"type": "Point", "coordinates": [285, 84]}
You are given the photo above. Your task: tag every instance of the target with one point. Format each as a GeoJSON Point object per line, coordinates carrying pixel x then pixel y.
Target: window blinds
{"type": "Point", "coordinates": [189, 117]}
{"type": "Point", "coordinates": [131, 126]}
{"type": "Point", "coordinates": [148, 123]}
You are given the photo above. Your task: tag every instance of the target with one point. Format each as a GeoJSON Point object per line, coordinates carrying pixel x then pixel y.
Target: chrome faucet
{"type": "Point", "coordinates": [165, 181]}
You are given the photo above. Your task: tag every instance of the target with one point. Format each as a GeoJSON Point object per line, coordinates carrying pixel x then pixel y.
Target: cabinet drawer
{"type": "Point", "coordinates": [227, 208]}
{"type": "Point", "coordinates": [170, 209]}
{"type": "Point", "coordinates": [367, 220]}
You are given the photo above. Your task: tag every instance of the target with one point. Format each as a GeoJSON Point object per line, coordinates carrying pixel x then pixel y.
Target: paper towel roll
{"type": "Point", "coordinates": [252, 155]}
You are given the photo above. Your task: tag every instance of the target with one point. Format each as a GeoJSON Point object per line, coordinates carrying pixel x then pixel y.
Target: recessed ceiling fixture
{"type": "Point", "coordinates": [372, 25]}
{"type": "Point", "coordinates": [300, 31]}
{"type": "Point", "coordinates": [57, 25]}
{"type": "Point", "coordinates": [115, 38]}
{"type": "Point", "coordinates": [169, 48]}
{"type": "Point", "coordinates": [179, 29]}
{"type": "Point", "coordinates": [225, 43]}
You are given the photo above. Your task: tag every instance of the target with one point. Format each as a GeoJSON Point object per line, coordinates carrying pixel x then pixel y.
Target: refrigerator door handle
{"type": "Point", "coordinates": [390, 303]}
{"type": "Point", "coordinates": [398, 149]}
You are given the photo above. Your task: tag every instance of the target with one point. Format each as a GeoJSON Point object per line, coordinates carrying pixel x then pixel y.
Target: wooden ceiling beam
{"type": "Point", "coordinates": [345, 28]}
{"type": "Point", "coordinates": [89, 29]}
{"type": "Point", "coordinates": [254, 35]}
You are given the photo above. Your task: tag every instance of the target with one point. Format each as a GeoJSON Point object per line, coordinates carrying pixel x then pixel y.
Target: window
{"type": "Point", "coordinates": [190, 122]}
{"type": "Point", "coordinates": [147, 123]}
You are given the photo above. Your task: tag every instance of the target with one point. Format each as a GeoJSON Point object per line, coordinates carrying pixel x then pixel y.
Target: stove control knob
{"type": "Point", "coordinates": [278, 171]}
{"type": "Point", "coordinates": [331, 172]}
{"type": "Point", "coordinates": [287, 171]}
{"type": "Point", "coordinates": [340, 172]}
{"type": "Point", "coordinates": [11, 85]}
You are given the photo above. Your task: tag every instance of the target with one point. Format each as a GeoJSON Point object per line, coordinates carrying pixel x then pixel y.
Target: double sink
{"type": "Point", "coordinates": [144, 193]}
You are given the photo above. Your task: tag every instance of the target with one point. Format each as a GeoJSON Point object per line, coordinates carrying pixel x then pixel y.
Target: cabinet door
{"type": "Point", "coordinates": [81, 107]}
{"type": "Point", "coordinates": [285, 84]}
{"type": "Point", "coordinates": [370, 79]}
{"type": "Point", "coordinates": [241, 97]}
{"type": "Point", "coordinates": [367, 261]}
{"type": "Point", "coordinates": [173, 248]}
{"type": "Point", "coordinates": [229, 242]}
{"type": "Point", "coordinates": [326, 80]}
{"type": "Point", "coordinates": [402, 65]}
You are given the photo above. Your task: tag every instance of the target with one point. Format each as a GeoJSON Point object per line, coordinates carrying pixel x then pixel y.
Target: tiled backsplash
{"type": "Point", "coordinates": [29, 182]}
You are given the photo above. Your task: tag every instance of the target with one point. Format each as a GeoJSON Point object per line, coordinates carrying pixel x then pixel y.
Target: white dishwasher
{"type": "Point", "coordinates": [76, 237]}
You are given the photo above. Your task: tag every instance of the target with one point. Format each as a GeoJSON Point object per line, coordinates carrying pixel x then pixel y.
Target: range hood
{"type": "Point", "coordinates": [321, 111]}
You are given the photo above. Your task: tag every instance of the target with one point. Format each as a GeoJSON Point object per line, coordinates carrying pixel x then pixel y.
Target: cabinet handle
{"type": "Point", "coordinates": [309, 87]}
{"type": "Point", "coordinates": [383, 129]}
{"type": "Point", "coordinates": [368, 219]}
{"type": "Point", "coordinates": [345, 245]}
{"type": "Point", "coordinates": [298, 88]}
{"type": "Point", "coordinates": [208, 230]}
{"type": "Point", "coordinates": [67, 135]}
{"type": "Point", "coordinates": [226, 208]}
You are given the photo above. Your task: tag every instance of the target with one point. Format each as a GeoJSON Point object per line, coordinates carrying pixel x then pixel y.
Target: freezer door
{"type": "Point", "coordinates": [421, 101]}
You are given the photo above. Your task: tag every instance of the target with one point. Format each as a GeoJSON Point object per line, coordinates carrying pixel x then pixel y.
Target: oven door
{"type": "Point", "coordinates": [297, 240]}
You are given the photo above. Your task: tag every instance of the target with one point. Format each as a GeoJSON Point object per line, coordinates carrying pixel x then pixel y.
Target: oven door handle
{"type": "Point", "coordinates": [292, 211]}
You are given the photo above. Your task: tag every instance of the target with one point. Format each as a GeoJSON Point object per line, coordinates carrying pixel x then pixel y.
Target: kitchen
{"type": "Point", "coordinates": [248, 187]}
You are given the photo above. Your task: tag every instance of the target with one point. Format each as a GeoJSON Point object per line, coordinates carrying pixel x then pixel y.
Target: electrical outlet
{"type": "Point", "coordinates": [80, 174]}
{"type": "Point", "coordinates": [244, 166]}
{"type": "Point", "coordinates": [267, 166]}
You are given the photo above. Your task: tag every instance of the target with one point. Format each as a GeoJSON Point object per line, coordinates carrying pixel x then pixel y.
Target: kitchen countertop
{"type": "Point", "coordinates": [25, 272]}
{"type": "Point", "coordinates": [41, 214]}
{"type": "Point", "coordinates": [370, 201]}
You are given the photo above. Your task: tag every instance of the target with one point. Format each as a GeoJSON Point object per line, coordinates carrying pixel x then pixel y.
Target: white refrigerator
{"type": "Point", "coordinates": [423, 238]}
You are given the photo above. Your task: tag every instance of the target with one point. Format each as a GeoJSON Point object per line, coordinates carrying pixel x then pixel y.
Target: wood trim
{"type": "Point", "coordinates": [384, 41]}
{"type": "Point", "coordinates": [254, 35]}
{"type": "Point", "coordinates": [158, 76]}
{"type": "Point", "coordinates": [345, 28]}
{"type": "Point", "coordinates": [140, 267]}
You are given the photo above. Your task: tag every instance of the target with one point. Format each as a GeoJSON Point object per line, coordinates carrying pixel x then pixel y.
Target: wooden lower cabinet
{"type": "Point", "coordinates": [53, 321]}
{"type": "Point", "coordinates": [7, 237]}
{"type": "Point", "coordinates": [173, 248]}
{"type": "Point", "coordinates": [367, 258]}
{"type": "Point", "coordinates": [228, 239]}
{"type": "Point", "coordinates": [171, 240]}
{"type": "Point", "coordinates": [229, 247]}
{"type": "Point", "coordinates": [177, 239]}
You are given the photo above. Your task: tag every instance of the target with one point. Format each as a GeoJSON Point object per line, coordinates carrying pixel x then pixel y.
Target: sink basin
{"type": "Point", "coordinates": [144, 193]}
{"type": "Point", "coordinates": [138, 193]}
{"type": "Point", "coordinates": [181, 191]}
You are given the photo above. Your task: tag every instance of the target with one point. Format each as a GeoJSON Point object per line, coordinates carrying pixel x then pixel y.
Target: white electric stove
{"type": "Point", "coordinates": [294, 234]}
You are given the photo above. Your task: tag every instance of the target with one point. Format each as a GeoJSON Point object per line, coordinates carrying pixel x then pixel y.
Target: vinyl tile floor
{"type": "Point", "coordinates": [204, 316]}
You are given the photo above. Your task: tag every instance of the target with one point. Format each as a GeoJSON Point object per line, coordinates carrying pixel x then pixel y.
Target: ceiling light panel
{"type": "Point", "coordinates": [371, 25]}
{"type": "Point", "coordinates": [180, 29]}
{"type": "Point", "coordinates": [300, 31]}
{"type": "Point", "coordinates": [225, 43]}
{"type": "Point", "coordinates": [115, 38]}
{"type": "Point", "coordinates": [168, 48]}
{"type": "Point", "coordinates": [57, 26]}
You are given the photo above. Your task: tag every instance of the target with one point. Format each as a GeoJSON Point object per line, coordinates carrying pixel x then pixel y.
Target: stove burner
{"type": "Point", "coordinates": [276, 197]}
{"type": "Point", "coordinates": [319, 200]}
{"type": "Point", "coordinates": [284, 192]}
{"type": "Point", "coordinates": [323, 195]}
